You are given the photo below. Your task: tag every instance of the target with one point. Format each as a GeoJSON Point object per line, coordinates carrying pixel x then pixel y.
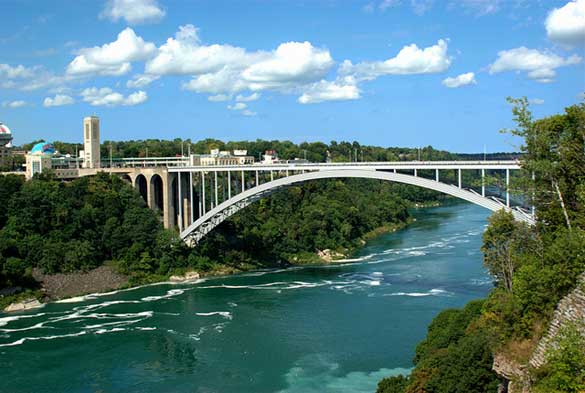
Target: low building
{"type": "Point", "coordinates": [219, 158]}
{"type": "Point", "coordinates": [39, 159]}
{"type": "Point", "coordinates": [270, 157]}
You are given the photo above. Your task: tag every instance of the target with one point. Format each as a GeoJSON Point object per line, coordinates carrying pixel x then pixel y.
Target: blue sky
{"type": "Point", "coordinates": [382, 72]}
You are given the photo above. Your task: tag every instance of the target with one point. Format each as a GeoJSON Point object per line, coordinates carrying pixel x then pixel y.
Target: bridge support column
{"type": "Point", "coordinates": [271, 175]}
{"type": "Point", "coordinates": [229, 185]}
{"type": "Point", "coordinates": [415, 172]}
{"type": "Point", "coordinates": [436, 175]}
{"type": "Point", "coordinates": [532, 209]}
{"type": "Point", "coordinates": [203, 190]}
{"type": "Point", "coordinates": [257, 182]}
{"type": "Point", "coordinates": [459, 176]}
{"type": "Point", "coordinates": [180, 217]}
{"type": "Point", "coordinates": [507, 187]}
{"type": "Point", "coordinates": [168, 210]}
{"type": "Point", "coordinates": [149, 193]}
{"type": "Point", "coordinates": [186, 211]}
{"type": "Point", "coordinates": [483, 182]}
{"type": "Point", "coordinates": [243, 182]}
{"type": "Point", "coordinates": [215, 185]}
{"type": "Point", "coordinates": [192, 215]}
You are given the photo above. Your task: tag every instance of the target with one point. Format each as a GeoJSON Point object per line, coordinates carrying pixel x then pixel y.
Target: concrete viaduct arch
{"type": "Point", "coordinates": [208, 221]}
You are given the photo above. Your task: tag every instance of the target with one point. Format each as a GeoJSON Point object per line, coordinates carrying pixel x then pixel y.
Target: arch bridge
{"type": "Point", "coordinates": [199, 198]}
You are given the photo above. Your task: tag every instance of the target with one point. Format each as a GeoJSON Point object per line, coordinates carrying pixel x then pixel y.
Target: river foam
{"type": "Point", "coordinates": [432, 292]}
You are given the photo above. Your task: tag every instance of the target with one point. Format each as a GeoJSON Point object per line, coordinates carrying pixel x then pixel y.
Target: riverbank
{"type": "Point", "coordinates": [106, 278]}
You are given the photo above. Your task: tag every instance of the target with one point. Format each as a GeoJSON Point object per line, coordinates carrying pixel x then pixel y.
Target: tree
{"type": "Point", "coordinates": [504, 243]}
{"type": "Point", "coordinates": [396, 384]}
{"type": "Point", "coordinates": [554, 161]}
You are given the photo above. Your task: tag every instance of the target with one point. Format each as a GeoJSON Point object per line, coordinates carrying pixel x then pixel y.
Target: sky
{"type": "Point", "coordinates": [381, 72]}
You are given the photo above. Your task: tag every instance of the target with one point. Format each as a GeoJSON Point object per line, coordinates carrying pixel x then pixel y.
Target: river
{"type": "Point", "coordinates": [328, 329]}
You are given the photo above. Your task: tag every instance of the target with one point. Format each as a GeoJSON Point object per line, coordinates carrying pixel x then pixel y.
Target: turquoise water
{"type": "Point", "coordinates": [336, 328]}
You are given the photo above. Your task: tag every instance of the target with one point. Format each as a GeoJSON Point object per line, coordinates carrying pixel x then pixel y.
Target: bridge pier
{"type": "Point", "coordinates": [168, 210]}
{"type": "Point", "coordinates": [507, 187]}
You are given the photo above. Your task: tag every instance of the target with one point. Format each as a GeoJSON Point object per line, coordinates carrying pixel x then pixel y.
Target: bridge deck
{"type": "Point", "coordinates": [389, 165]}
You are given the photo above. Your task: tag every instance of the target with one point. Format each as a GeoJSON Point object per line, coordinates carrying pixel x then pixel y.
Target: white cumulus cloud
{"type": "Point", "coordinates": [460, 80]}
{"type": "Point", "coordinates": [14, 104]}
{"type": "Point", "coordinates": [538, 65]}
{"type": "Point", "coordinates": [242, 108]}
{"type": "Point", "coordinates": [113, 58]}
{"type": "Point", "coordinates": [238, 106]}
{"type": "Point", "coordinates": [133, 11]}
{"type": "Point", "coordinates": [107, 97]}
{"type": "Point", "coordinates": [251, 97]}
{"type": "Point", "coordinates": [292, 63]}
{"type": "Point", "coordinates": [329, 91]}
{"type": "Point", "coordinates": [185, 55]}
{"type": "Point", "coordinates": [566, 25]}
{"type": "Point", "coordinates": [410, 60]}
{"type": "Point", "coordinates": [140, 81]}
{"type": "Point", "coordinates": [219, 98]}
{"type": "Point", "coordinates": [17, 72]}
{"type": "Point", "coordinates": [225, 69]}
{"type": "Point", "coordinates": [58, 100]}
{"type": "Point", "coordinates": [536, 101]}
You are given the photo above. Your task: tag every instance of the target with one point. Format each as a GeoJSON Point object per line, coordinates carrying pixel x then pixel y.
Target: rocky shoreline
{"type": "Point", "coordinates": [105, 278]}
{"type": "Point", "coordinates": [64, 285]}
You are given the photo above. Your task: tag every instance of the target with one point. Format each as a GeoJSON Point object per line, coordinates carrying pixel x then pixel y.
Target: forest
{"type": "Point", "coordinates": [76, 226]}
{"type": "Point", "coordinates": [532, 267]}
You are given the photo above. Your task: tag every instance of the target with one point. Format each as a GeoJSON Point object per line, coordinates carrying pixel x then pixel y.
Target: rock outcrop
{"type": "Point", "coordinates": [188, 276]}
{"type": "Point", "coordinates": [23, 305]}
{"type": "Point", "coordinates": [570, 311]}
{"type": "Point", "coordinates": [328, 255]}
{"type": "Point", "coordinates": [63, 285]}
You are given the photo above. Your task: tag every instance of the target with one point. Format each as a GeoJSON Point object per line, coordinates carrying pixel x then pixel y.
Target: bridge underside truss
{"type": "Point", "coordinates": [193, 233]}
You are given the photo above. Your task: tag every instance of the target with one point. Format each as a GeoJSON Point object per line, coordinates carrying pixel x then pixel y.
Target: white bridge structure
{"type": "Point", "coordinates": [202, 197]}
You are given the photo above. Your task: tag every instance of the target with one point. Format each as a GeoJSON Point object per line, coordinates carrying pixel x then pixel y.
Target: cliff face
{"type": "Point", "coordinates": [570, 312]}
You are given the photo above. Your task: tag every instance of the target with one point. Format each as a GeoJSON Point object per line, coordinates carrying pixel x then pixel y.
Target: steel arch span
{"type": "Point", "coordinates": [207, 222]}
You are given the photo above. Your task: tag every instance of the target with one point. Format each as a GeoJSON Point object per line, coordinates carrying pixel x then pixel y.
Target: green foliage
{"type": "Point", "coordinates": [534, 267]}
{"type": "Point", "coordinates": [505, 244]}
{"type": "Point", "coordinates": [67, 227]}
{"type": "Point", "coordinates": [455, 356]}
{"type": "Point", "coordinates": [281, 229]}
{"type": "Point", "coordinates": [447, 328]}
{"type": "Point", "coordinates": [395, 384]}
{"type": "Point", "coordinates": [553, 149]}
{"type": "Point", "coordinates": [9, 185]}
{"type": "Point", "coordinates": [565, 368]}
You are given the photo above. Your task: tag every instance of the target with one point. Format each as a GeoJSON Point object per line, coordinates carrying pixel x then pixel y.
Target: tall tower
{"type": "Point", "coordinates": [91, 142]}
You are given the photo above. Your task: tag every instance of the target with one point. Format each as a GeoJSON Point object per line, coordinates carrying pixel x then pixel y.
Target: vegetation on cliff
{"type": "Point", "coordinates": [533, 268]}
